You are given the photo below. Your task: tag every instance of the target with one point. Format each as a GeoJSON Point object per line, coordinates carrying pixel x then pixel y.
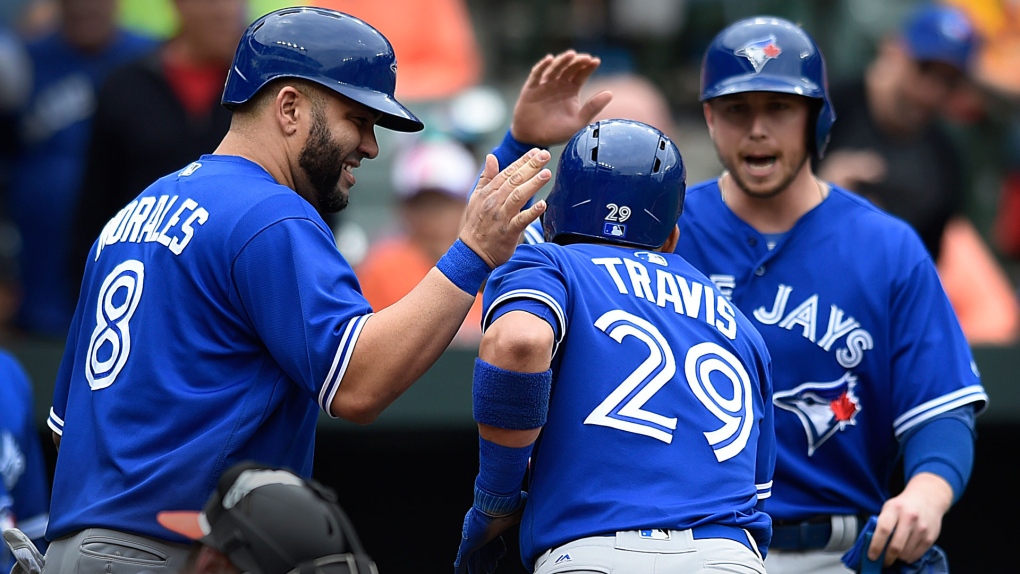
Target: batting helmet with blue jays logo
{"type": "Point", "coordinates": [618, 181]}
{"type": "Point", "coordinates": [767, 54]}
{"type": "Point", "coordinates": [330, 48]}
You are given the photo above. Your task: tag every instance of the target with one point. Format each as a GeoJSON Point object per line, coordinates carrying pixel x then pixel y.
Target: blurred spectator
{"type": "Point", "coordinates": [890, 146]}
{"type": "Point", "coordinates": [997, 70]}
{"type": "Point", "coordinates": [50, 132]}
{"type": "Point", "coordinates": [434, 42]}
{"type": "Point", "coordinates": [158, 18]}
{"type": "Point", "coordinates": [23, 475]}
{"type": "Point", "coordinates": [433, 180]}
{"type": "Point", "coordinates": [157, 114]}
{"type": "Point", "coordinates": [635, 97]}
{"type": "Point", "coordinates": [31, 19]}
{"type": "Point", "coordinates": [887, 144]}
{"type": "Point", "coordinates": [15, 83]}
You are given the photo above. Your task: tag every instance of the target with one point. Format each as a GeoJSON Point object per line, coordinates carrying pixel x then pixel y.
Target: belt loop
{"type": "Point", "coordinates": [844, 532]}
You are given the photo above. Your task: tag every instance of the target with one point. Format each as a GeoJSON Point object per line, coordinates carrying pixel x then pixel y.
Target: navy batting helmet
{"type": "Point", "coordinates": [619, 181]}
{"type": "Point", "coordinates": [324, 46]}
{"type": "Point", "coordinates": [767, 54]}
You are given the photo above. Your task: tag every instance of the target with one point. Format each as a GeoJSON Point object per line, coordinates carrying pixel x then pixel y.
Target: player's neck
{"type": "Point", "coordinates": [238, 144]}
{"type": "Point", "coordinates": [776, 213]}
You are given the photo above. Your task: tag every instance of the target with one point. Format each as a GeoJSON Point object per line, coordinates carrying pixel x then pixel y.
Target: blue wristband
{"type": "Point", "coordinates": [501, 472]}
{"type": "Point", "coordinates": [510, 399]}
{"type": "Point", "coordinates": [464, 268]}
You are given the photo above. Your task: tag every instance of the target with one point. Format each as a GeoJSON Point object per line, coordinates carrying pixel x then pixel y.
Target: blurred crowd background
{"type": "Point", "coordinates": [99, 97]}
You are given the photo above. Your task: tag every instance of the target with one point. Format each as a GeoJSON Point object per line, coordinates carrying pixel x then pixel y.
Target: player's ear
{"type": "Point", "coordinates": [674, 237]}
{"type": "Point", "coordinates": [286, 108]}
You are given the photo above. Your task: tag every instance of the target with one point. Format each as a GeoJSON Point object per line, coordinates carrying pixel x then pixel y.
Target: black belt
{"type": "Point", "coordinates": [811, 534]}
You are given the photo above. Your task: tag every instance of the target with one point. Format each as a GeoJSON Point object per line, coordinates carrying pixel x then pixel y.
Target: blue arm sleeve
{"type": "Point", "coordinates": [943, 446]}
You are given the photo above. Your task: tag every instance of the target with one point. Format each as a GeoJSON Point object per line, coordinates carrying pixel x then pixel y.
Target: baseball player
{"type": "Point", "coordinates": [216, 312]}
{"type": "Point", "coordinates": [640, 395]}
{"type": "Point", "coordinates": [24, 481]}
{"type": "Point", "coordinates": [870, 363]}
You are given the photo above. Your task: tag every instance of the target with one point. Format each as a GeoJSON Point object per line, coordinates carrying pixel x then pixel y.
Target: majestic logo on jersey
{"type": "Point", "coordinates": [615, 230]}
{"type": "Point", "coordinates": [563, 558]}
{"type": "Point", "coordinates": [760, 52]}
{"type": "Point", "coordinates": [823, 408]}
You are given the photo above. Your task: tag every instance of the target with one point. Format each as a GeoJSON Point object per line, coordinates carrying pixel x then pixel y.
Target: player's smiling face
{"type": "Point", "coordinates": [342, 133]}
{"type": "Point", "coordinates": [761, 138]}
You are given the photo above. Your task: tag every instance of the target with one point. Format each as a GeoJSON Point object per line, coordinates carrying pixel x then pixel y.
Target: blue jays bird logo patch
{"type": "Point", "coordinates": [823, 408]}
{"type": "Point", "coordinates": [760, 52]}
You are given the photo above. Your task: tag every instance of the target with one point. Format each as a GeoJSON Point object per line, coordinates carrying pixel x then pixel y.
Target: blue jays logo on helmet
{"type": "Point", "coordinates": [617, 181]}
{"type": "Point", "coordinates": [760, 52]}
{"type": "Point", "coordinates": [823, 408]}
{"type": "Point", "coordinates": [333, 49]}
{"type": "Point", "coordinates": [768, 54]}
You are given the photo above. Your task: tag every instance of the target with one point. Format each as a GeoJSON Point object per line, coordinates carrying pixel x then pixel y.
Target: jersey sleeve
{"type": "Point", "coordinates": [530, 277]}
{"type": "Point", "coordinates": [933, 368]}
{"type": "Point", "coordinates": [766, 461]}
{"type": "Point", "coordinates": [303, 300]}
{"type": "Point", "coordinates": [62, 385]}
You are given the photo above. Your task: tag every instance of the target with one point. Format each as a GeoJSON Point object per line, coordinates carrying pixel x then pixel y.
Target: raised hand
{"type": "Point", "coordinates": [494, 220]}
{"type": "Point", "coordinates": [549, 109]}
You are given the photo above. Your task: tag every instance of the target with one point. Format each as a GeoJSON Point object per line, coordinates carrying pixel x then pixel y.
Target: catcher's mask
{"type": "Point", "coordinates": [270, 521]}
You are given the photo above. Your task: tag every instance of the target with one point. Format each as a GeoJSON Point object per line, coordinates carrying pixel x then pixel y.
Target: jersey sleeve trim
{"type": "Point", "coordinates": [764, 490]}
{"type": "Point", "coordinates": [935, 407]}
{"type": "Point", "coordinates": [533, 235]}
{"type": "Point", "coordinates": [536, 295]}
{"type": "Point", "coordinates": [340, 362]}
{"type": "Point", "coordinates": [55, 423]}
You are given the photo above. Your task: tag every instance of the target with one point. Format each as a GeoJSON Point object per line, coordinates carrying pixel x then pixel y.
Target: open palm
{"type": "Point", "coordinates": [549, 110]}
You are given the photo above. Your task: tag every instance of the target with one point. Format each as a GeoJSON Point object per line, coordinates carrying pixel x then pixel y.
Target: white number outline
{"type": "Point", "coordinates": [116, 331]}
{"type": "Point", "coordinates": [619, 213]}
{"type": "Point", "coordinates": [701, 361]}
{"type": "Point", "coordinates": [619, 324]}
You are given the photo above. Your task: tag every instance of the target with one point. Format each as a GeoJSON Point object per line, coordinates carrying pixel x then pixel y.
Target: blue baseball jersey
{"type": "Point", "coordinates": [215, 313]}
{"type": "Point", "coordinates": [24, 479]}
{"type": "Point", "coordinates": [864, 342]}
{"type": "Point", "coordinates": [660, 414]}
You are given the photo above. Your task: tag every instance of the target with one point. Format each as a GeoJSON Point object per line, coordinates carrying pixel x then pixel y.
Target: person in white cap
{"type": "Point", "coordinates": [432, 181]}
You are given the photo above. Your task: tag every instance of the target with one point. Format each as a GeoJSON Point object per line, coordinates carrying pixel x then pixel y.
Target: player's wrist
{"type": "Point", "coordinates": [500, 477]}
{"type": "Point", "coordinates": [515, 147]}
{"type": "Point", "coordinates": [497, 505]}
{"type": "Point", "coordinates": [464, 268]}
